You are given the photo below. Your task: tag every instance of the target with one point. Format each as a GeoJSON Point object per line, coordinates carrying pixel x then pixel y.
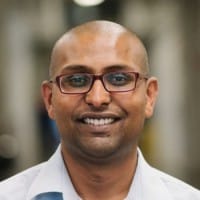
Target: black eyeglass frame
{"type": "Point", "coordinates": [95, 77]}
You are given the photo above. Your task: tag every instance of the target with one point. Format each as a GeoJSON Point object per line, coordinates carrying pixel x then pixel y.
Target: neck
{"type": "Point", "coordinates": [107, 181]}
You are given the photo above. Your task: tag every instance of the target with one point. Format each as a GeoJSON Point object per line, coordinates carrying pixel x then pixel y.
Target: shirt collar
{"type": "Point", "coordinates": [146, 183]}
{"type": "Point", "coordinates": [53, 179]}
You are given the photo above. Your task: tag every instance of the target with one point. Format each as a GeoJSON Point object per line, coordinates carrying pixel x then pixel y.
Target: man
{"type": "Point", "coordinates": [100, 93]}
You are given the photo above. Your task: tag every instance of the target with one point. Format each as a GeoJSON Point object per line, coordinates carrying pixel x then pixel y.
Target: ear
{"type": "Point", "coordinates": [46, 90]}
{"type": "Point", "coordinates": [151, 96]}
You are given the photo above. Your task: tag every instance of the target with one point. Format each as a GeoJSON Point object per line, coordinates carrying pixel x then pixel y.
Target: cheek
{"type": "Point", "coordinates": [63, 108]}
{"type": "Point", "coordinates": [132, 103]}
{"type": "Point", "coordinates": [136, 116]}
{"type": "Point", "coordinates": [134, 106]}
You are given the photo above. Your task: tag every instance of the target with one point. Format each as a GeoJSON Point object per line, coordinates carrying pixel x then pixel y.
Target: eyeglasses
{"type": "Point", "coordinates": [80, 83]}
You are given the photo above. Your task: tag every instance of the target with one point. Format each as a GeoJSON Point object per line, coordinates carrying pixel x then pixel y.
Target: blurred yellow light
{"type": "Point", "coordinates": [88, 2]}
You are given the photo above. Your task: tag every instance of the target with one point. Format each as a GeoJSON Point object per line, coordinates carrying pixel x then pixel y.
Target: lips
{"type": "Point", "coordinates": [98, 119]}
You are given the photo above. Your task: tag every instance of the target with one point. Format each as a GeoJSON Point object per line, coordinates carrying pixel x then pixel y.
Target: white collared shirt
{"type": "Point", "coordinates": [51, 181]}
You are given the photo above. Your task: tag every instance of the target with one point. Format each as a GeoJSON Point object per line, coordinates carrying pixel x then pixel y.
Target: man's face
{"type": "Point", "coordinates": [99, 124]}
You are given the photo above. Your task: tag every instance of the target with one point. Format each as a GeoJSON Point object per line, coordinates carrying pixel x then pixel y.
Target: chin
{"type": "Point", "coordinates": [102, 151]}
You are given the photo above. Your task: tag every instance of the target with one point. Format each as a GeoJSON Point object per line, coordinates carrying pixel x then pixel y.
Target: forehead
{"type": "Point", "coordinates": [98, 50]}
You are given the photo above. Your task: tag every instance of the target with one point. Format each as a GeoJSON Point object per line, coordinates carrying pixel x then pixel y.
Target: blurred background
{"type": "Point", "coordinates": [171, 32]}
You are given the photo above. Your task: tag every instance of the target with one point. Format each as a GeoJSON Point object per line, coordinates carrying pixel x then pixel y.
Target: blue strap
{"type": "Point", "coordinates": [49, 196]}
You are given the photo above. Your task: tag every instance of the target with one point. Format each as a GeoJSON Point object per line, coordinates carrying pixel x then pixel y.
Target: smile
{"type": "Point", "coordinates": [98, 122]}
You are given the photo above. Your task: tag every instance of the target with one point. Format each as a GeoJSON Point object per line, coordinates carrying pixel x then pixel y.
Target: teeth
{"type": "Point", "coordinates": [98, 122]}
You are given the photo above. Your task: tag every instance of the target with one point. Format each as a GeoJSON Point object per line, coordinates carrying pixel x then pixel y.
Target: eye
{"type": "Point", "coordinates": [120, 78]}
{"type": "Point", "coordinates": [76, 80]}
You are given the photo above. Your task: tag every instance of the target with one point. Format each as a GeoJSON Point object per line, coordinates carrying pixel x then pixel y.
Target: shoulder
{"type": "Point", "coordinates": [161, 185]}
{"type": "Point", "coordinates": [178, 189]}
{"type": "Point", "coordinates": [19, 184]}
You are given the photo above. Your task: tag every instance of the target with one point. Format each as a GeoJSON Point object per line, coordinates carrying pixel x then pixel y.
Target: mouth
{"type": "Point", "coordinates": [98, 120]}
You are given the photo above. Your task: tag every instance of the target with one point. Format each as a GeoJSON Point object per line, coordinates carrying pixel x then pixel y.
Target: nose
{"type": "Point", "coordinates": [98, 96]}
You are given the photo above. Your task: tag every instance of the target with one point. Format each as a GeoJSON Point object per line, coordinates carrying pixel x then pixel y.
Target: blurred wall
{"type": "Point", "coordinates": [171, 33]}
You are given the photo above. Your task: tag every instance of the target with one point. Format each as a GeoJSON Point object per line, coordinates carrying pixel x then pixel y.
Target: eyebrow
{"type": "Point", "coordinates": [76, 68]}
{"type": "Point", "coordinates": [84, 68]}
{"type": "Point", "coordinates": [119, 67]}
